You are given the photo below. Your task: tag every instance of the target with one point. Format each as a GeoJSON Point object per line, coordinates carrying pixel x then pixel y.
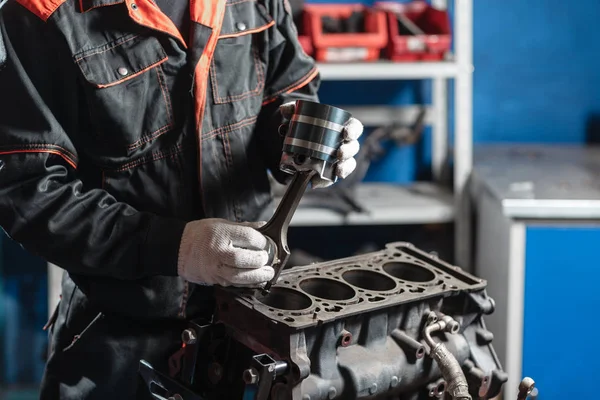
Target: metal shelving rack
{"type": "Point", "coordinates": [403, 205]}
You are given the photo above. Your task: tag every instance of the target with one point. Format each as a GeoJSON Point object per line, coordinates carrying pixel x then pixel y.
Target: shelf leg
{"type": "Point", "coordinates": [439, 151]}
{"type": "Point", "coordinates": [463, 135]}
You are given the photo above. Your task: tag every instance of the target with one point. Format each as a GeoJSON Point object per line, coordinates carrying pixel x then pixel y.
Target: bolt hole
{"type": "Point", "coordinates": [346, 339]}
{"type": "Point", "coordinates": [325, 304]}
{"type": "Point", "coordinates": [328, 273]}
{"type": "Point", "coordinates": [289, 319]}
{"type": "Point", "coordinates": [280, 315]}
{"type": "Point", "coordinates": [441, 388]}
{"type": "Point", "coordinates": [287, 282]}
{"type": "Point", "coordinates": [369, 295]}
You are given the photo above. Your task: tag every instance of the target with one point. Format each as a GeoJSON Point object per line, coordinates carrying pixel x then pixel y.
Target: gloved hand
{"type": "Point", "coordinates": [347, 163]}
{"type": "Point", "coordinates": [217, 251]}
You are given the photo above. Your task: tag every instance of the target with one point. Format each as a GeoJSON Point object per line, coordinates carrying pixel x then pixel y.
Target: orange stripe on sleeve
{"type": "Point", "coordinates": [305, 80]}
{"type": "Point", "coordinates": [49, 151]}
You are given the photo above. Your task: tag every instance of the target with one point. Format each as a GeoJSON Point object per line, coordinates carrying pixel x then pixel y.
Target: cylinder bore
{"type": "Point", "coordinates": [408, 272]}
{"type": "Point", "coordinates": [327, 289]}
{"type": "Point", "coordinates": [285, 299]}
{"type": "Point", "coordinates": [369, 280]}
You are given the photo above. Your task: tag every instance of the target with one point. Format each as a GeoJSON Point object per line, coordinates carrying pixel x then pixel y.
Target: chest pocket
{"type": "Point", "coordinates": [127, 93]}
{"type": "Point", "coordinates": [240, 62]}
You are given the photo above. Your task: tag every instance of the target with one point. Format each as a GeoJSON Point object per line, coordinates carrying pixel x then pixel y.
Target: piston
{"type": "Point", "coordinates": [313, 138]}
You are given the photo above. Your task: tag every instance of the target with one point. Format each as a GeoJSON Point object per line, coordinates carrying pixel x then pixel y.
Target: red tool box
{"type": "Point", "coordinates": [416, 31]}
{"type": "Point", "coordinates": [303, 38]}
{"type": "Point", "coordinates": [364, 41]}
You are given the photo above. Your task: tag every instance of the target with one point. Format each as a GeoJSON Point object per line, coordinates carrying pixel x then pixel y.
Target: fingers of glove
{"type": "Point", "coordinates": [345, 168]}
{"type": "Point", "coordinates": [353, 130]}
{"type": "Point", "coordinates": [319, 183]}
{"type": "Point", "coordinates": [244, 258]}
{"type": "Point", "coordinates": [246, 237]}
{"type": "Point", "coordinates": [348, 150]}
{"type": "Point", "coordinates": [287, 109]}
{"type": "Point", "coordinates": [246, 277]}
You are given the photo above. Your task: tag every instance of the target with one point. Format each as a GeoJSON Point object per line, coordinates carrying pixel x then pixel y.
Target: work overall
{"type": "Point", "coordinates": [115, 131]}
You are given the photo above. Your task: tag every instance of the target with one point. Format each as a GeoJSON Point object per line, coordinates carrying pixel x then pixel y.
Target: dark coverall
{"type": "Point", "coordinates": [119, 124]}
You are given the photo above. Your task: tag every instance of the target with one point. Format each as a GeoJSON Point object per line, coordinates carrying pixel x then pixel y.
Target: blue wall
{"type": "Point", "coordinates": [536, 69]}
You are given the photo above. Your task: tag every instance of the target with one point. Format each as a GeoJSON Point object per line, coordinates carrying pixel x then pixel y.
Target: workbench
{"type": "Point", "coordinates": [538, 231]}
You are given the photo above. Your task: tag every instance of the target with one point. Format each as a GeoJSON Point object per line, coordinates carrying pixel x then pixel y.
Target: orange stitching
{"type": "Point", "coordinates": [230, 125]}
{"type": "Point", "coordinates": [144, 69]}
{"type": "Point", "coordinates": [248, 123]}
{"type": "Point", "coordinates": [137, 163]}
{"type": "Point", "coordinates": [49, 151]}
{"type": "Point", "coordinates": [163, 86]}
{"type": "Point", "coordinates": [105, 50]}
{"type": "Point", "coordinates": [42, 9]}
{"type": "Point", "coordinates": [160, 131]}
{"type": "Point", "coordinates": [244, 95]}
{"type": "Point", "coordinates": [155, 157]}
{"type": "Point", "coordinates": [255, 30]}
{"type": "Point", "coordinates": [33, 146]}
{"type": "Point", "coordinates": [149, 137]}
{"type": "Point", "coordinates": [294, 86]}
{"type": "Point", "coordinates": [46, 146]}
{"type": "Point", "coordinates": [102, 5]}
{"type": "Point", "coordinates": [230, 128]}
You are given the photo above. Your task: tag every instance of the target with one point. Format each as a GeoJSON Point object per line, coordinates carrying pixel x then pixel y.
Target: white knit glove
{"type": "Point", "coordinates": [346, 162]}
{"type": "Point", "coordinates": [219, 252]}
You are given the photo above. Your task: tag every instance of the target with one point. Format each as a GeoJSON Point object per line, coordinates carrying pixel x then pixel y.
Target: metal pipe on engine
{"type": "Point", "coordinates": [457, 387]}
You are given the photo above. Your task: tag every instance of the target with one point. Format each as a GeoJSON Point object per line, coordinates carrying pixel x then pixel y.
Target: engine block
{"type": "Point", "coordinates": [397, 324]}
{"type": "Point", "coordinates": [354, 329]}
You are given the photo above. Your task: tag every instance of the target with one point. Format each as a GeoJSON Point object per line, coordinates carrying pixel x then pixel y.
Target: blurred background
{"type": "Point", "coordinates": [483, 117]}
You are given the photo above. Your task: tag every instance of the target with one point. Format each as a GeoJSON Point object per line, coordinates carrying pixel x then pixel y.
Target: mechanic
{"type": "Point", "coordinates": [136, 141]}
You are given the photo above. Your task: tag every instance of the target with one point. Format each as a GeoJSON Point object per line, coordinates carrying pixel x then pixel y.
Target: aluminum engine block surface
{"type": "Point", "coordinates": [353, 328]}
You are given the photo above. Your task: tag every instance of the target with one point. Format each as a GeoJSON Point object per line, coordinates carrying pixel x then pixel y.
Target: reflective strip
{"type": "Point", "coordinates": [310, 145]}
{"type": "Point", "coordinates": [318, 122]}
